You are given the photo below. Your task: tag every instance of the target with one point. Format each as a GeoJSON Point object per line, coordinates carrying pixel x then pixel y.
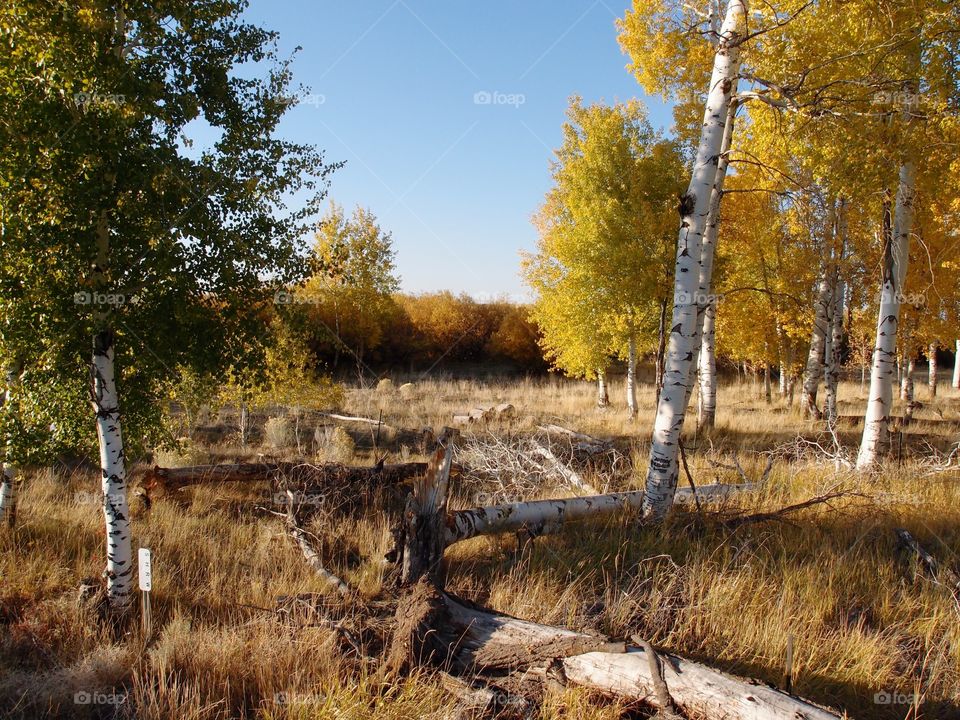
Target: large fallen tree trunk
{"type": "Point", "coordinates": [542, 517]}
{"type": "Point", "coordinates": [304, 475]}
{"type": "Point", "coordinates": [537, 516]}
{"type": "Point", "coordinates": [436, 628]}
{"type": "Point", "coordinates": [428, 529]}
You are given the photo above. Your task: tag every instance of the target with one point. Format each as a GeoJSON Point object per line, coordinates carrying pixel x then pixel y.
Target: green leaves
{"type": "Point", "coordinates": [110, 219]}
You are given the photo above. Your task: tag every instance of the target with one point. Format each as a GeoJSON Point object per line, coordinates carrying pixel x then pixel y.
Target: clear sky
{"type": "Point", "coordinates": [447, 113]}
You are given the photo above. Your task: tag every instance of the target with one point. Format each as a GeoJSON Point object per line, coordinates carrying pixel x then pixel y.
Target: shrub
{"type": "Point", "coordinates": [334, 444]}
{"type": "Point", "coordinates": [278, 432]}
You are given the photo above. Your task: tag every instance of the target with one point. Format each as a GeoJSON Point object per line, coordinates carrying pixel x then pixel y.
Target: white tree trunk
{"type": "Point", "coordinates": [705, 298]}
{"type": "Point", "coordinates": [707, 397]}
{"type": "Point", "coordinates": [537, 516]}
{"type": "Point", "coordinates": [906, 393]}
{"type": "Point", "coordinates": [699, 690]}
{"type": "Point", "coordinates": [632, 377]}
{"type": "Point", "coordinates": [906, 387]}
{"type": "Point", "coordinates": [932, 369]}
{"type": "Point", "coordinates": [603, 397]}
{"type": "Point", "coordinates": [906, 378]}
{"type": "Point", "coordinates": [834, 355]}
{"type": "Point", "coordinates": [832, 370]}
{"type": "Point", "coordinates": [896, 256]}
{"type": "Point", "coordinates": [472, 638]}
{"type": "Point", "coordinates": [956, 365]}
{"type": "Point", "coordinates": [694, 210]}
{"type": "Point", "coordinates": [822, 323]}
{"type": "Point", "coordinates": [105, 399]}
{"type": "Point", "coordinates": [8, 479]}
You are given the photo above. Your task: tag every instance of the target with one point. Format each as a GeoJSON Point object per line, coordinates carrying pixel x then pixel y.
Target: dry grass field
{"type": "Point", "coordinates": [872, 634]}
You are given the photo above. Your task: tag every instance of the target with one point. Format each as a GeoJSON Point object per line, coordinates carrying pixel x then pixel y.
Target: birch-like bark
{"type": "Point", "coordinates": [932, 369]}
{"type": "Point", "coordinates": [956, 365]}
{"type": "Point", "coordinates": [661, 348]}
{"type": "Point", "coordinates": [904, 368]}
{"type": "Point", "coordinates": [603, 397]}
{"type": "Point", "coordinates": [906, 384]}
{"type": "Point", "coordinates": [695, 205]}
{"type": "Point", "coordinates": [106, 405]}
{"type": "Point", "coordinates": [822, 311]}
{"type": "Point", "coordinates": [8, 479]}
{"type": "Point", "coordinates": [632, 377]}
{"type": "Point", "coordinates": [767, 388]}
{"type": "Point", "coordinates": [832, 370]}
{"type": "Point", "coordinates": [708, 252]}
{"type": "Point", "coordinates": [896, 256]}
{"type": "Point", "coordinates": [906, 393]}
{"type": "Point", "coordinates": [835, 353]}
{"type": "Point", "coordinates": [707, 397]}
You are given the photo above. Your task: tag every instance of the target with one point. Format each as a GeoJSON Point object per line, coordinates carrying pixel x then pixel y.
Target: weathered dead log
{"type": "Point", "coordinates": [537, 516]}
{"type": "Point", "coordinates": [441, 630]}
{"type": "Point", "coordinates": [485, 413]}
{"type": "Point", "coordinates": [423, 537]}
{"type": "Point", "coordinates": [351, 418]}
{"type": "Point", "coordinates": [696, 689]}
{"type": "Point", "coordinates": [306, 476]}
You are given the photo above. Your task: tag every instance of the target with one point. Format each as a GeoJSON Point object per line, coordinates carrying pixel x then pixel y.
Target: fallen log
{"type": "Point", "coordinates": [485, 414]}
{"type": "Point", "coordinates": [541, 517]}
{"type": "Point", "coordinates": [573, 434]}
{"type": "Point", "coordinates": [305, 475]}
{"type": "Point", "coordinates": [536, 516]}
{"type": "Point", "coordinates": [351, 418]}
{"type": "Point", "coordinates": [437, 628]}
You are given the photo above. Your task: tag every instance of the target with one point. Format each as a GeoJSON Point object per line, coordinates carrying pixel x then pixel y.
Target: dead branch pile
{"type": "Point", "coordinates": [434, 628]}
{"type": "Point", "coordinates": [516, 466]}
{"type": "Point", "coordinates": [303, 477]}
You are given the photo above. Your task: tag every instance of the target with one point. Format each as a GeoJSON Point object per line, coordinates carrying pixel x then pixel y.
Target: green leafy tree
{"type": "Point", "coordinates": [117, 233]}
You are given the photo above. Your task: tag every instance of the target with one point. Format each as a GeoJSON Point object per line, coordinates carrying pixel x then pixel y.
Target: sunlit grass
{"type": "Point", "coordinates": [862, 620]}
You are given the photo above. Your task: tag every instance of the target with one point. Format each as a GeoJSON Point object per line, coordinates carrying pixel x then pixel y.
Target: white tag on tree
{"type": "Point", "coordinates": [143, 558]}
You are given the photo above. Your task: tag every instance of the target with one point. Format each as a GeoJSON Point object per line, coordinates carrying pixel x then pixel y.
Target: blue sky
{"type": "Point", "coordinates": [447, 113]}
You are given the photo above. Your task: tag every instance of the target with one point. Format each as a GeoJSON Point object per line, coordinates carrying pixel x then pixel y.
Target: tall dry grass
{"type": "Point", "coordinates": [863, 620]}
